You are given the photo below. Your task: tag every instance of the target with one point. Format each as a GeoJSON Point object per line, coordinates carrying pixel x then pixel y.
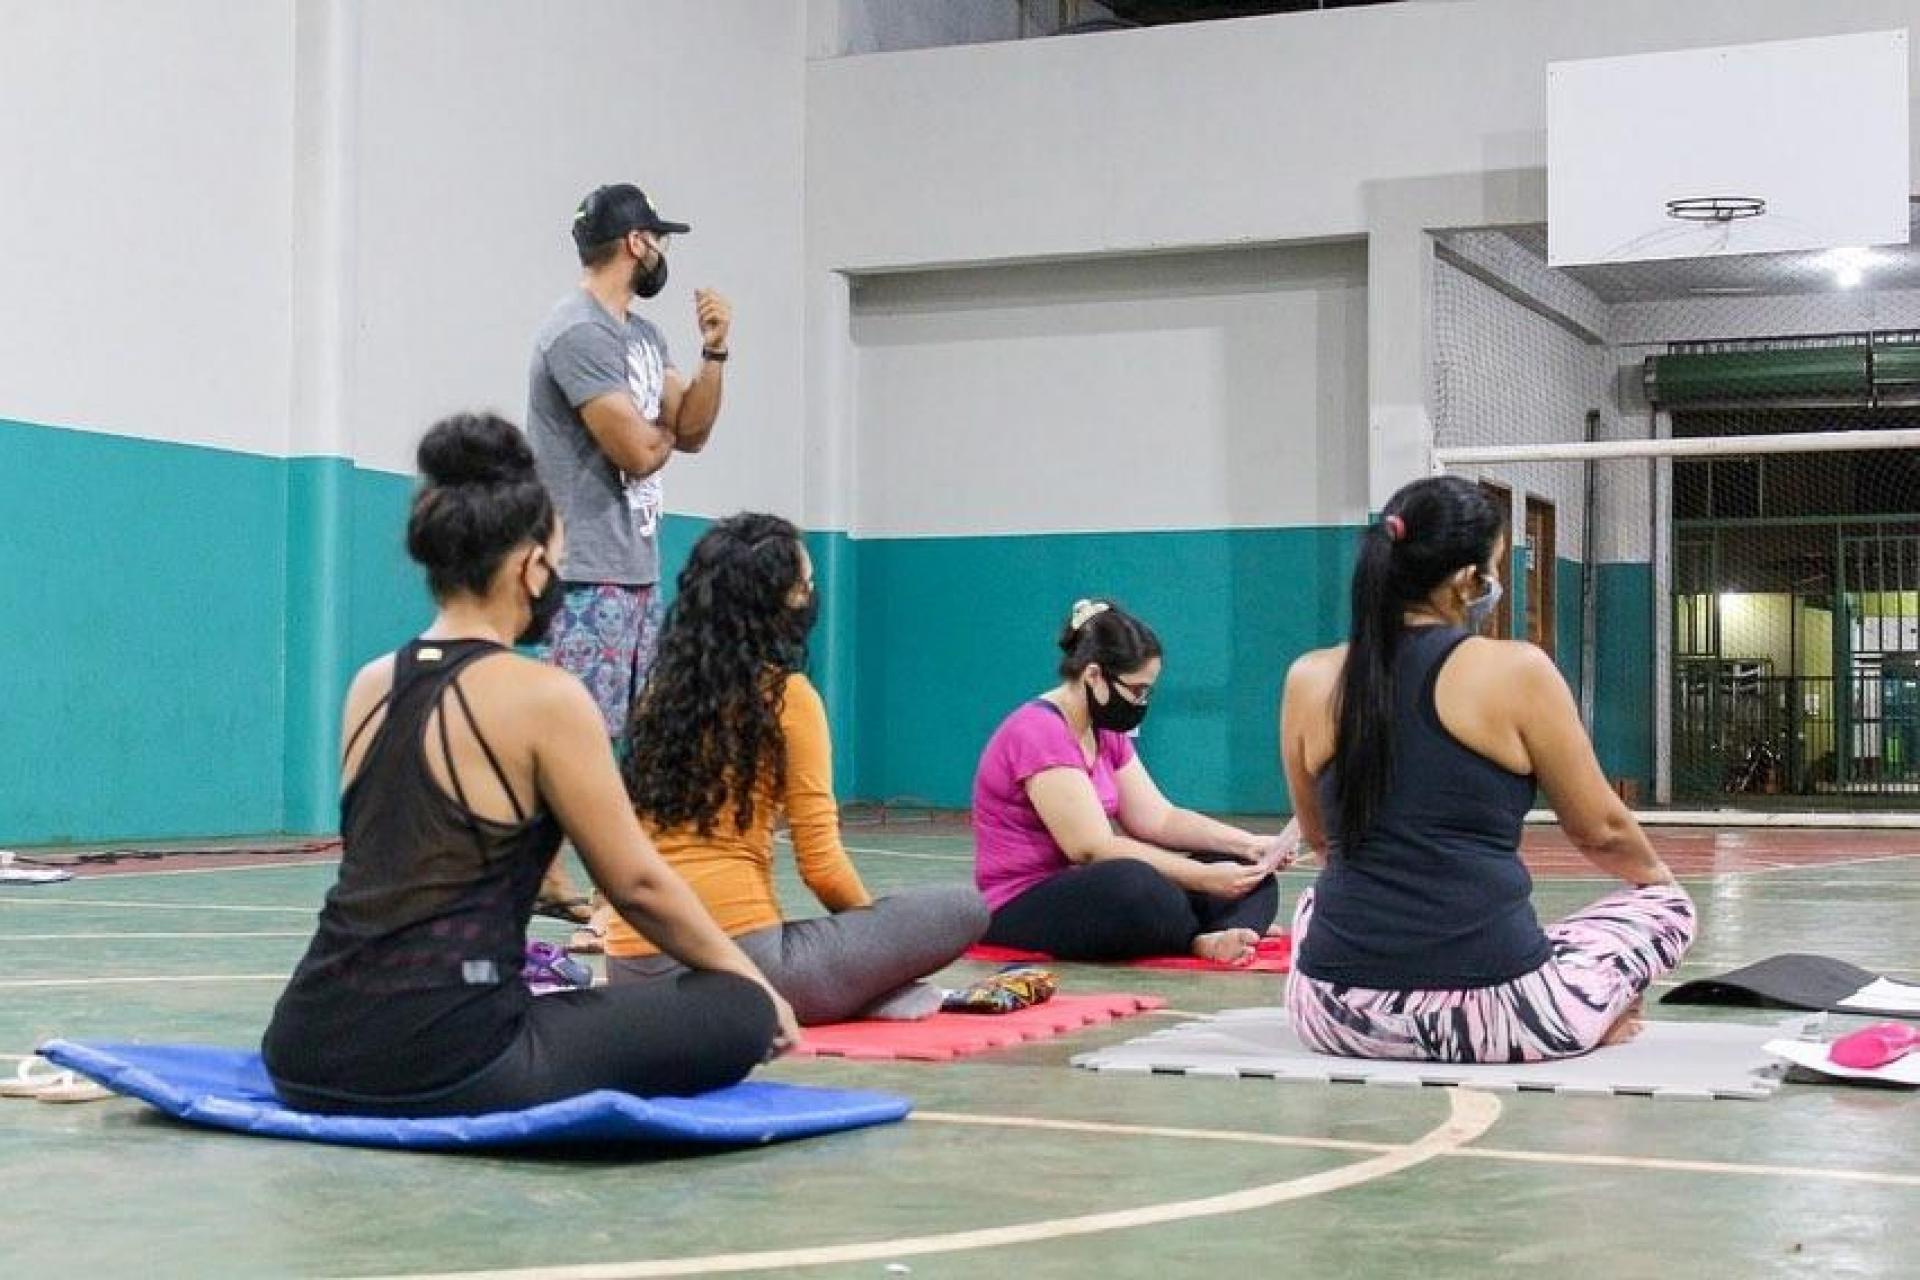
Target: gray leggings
{"type": "Point", "coordinates": [833, 968]}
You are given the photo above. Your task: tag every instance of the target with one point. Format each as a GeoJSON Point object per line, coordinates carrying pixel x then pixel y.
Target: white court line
{"type": "Point", "coordinates": [143, 980]}
{"type": "Point", "coordinates": [1470, 1115]}
{"type": "Point", "coordinates": [150, 937]}
{"type": "Point", "coordinates": [1106, 1128]}
{"type": "Point", "coordinates": [207, 871]}
{"type": "Point", "coordinates": [1589, 1159]}
{"type": "Point", "coordinates": [1444, 1142]}
{"type": "Point", "coordinates": [915, 856]}
{"type": "Point", "coordinates": [1594, 1161]}
{"type": "Point", "coordinates": [1747, 958]}
{"type": "Point", "coordinates": [1847, 884]}
{"type": "Point", "coordinates": [1700, 877]}
{"type": "Point", "coordinates": [8, 900]}
{"type": "Point", "coordinates": [1827, 866]}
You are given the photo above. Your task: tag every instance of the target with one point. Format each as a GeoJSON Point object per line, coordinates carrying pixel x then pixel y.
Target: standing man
{"type": "Point", "coordinates": [606, 411]}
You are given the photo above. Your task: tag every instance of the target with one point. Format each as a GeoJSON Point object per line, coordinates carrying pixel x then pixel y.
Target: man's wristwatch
{"type": "Point", "coordinates": [713, 356]}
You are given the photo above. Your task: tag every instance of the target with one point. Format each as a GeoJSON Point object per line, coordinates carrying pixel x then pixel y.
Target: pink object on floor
{"type": "Point", "coordinates": [1271, 955]}
{"type": "Point", "coordinates": [946, 1036]}
{"type": "Point", "coordinates": [1875, 1046]}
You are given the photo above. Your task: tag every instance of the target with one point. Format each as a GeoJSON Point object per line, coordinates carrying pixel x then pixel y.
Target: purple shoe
{"type": "Point", "coordinates": [549, 968]}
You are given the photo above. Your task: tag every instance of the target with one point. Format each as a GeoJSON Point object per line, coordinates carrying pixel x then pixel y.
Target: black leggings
{"type": "Point", "coordinates": [1123, 909]}
{"type": "Point", "coordinates": [695, 1032]}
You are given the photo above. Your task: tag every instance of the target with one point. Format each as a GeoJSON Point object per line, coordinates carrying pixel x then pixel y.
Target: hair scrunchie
{"type": "Point", "coordinates": [1085, 611]}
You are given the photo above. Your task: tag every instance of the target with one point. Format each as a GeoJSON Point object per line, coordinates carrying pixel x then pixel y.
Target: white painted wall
{"type": "Point", "coordinates": [1259, 129]}
{"type": "Point", "coordinates": [159, 175]}
{"type": "Point", "coordinates": [1189, 391]}
{"type": "Point", "coordinates": [482, 124]}
{"type": "Point", "coordinates": [1381, 122]}
{"type": "Point", "coordinates": [314, 228]}
{"type": "Point", "coordinates": [146, 201]}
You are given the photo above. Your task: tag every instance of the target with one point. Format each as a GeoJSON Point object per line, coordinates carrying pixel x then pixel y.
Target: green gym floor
{"type": "Point", "coordinates": [1014, 1164]}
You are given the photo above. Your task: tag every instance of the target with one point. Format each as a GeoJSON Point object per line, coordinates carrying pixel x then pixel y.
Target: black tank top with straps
{"type": "Point", "coordinates": [1435, 894]}
{"type": "Point", "coordinates": [412, 981]}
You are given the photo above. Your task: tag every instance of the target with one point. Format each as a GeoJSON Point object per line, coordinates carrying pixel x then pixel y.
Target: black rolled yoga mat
{"type": "Point", "coordinates": [1798, 982]}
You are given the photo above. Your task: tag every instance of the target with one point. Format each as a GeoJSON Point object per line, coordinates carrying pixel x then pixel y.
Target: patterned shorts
{"type": "Point", "coordinates": [606, 633]}
{"type": "Point", "coordinates": [1604, 957]}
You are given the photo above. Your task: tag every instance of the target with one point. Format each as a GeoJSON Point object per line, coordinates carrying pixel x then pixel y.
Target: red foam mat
{"type": "Point", "coordinates": [946, 1036]}
{"type": "Point", "coordinates": [1272, 955]}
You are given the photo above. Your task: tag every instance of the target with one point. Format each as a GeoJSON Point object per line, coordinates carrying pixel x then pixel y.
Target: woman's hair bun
{"type": "Point", "coordinates": [475, 449]}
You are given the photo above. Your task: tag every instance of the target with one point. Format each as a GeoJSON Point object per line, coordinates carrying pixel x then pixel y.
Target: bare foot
{"type": "Point", "coordinates": [1226, 946]}
{"type": "Point", "coordinates": [1625, 1028]}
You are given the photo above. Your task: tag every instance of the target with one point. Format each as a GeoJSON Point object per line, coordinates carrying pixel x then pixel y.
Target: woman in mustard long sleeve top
{"type": "Point", "coordinates": [728, 736]}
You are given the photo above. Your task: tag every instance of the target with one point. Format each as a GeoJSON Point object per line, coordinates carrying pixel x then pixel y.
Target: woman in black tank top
{"type": "Point", "coordinates": [465, 764]}
{"type": "Point", "coordinates": [1412, 754]}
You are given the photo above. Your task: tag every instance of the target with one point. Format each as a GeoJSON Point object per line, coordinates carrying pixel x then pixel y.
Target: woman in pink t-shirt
{"type": "Point", "coordinates": [1076, 850]}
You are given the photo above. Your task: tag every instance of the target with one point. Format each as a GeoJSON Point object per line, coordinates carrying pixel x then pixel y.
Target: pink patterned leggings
{"type": "Point", "coordinates": [1603, 958]}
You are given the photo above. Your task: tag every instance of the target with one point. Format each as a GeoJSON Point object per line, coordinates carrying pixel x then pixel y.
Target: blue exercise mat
{"type": "Point", "coordinates": [229, 1089]}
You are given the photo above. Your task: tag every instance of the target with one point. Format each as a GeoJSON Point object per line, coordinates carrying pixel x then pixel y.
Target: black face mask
{"type": "Point", "coordinates": [545, 604]}
{"type": "Point", "coordinates": [802, 617]}
{"type": "Point", "coordinates": [650, 278]}
{"type": "Point", "coordinates": [1116, 714]}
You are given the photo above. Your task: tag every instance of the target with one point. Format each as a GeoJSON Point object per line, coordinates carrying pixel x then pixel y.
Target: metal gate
{"type": "Point", "coordinates": [1796, 659]}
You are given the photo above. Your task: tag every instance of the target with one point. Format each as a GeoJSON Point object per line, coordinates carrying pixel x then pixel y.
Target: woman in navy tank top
{"type": "Point", "coordinates": [1413, 753]}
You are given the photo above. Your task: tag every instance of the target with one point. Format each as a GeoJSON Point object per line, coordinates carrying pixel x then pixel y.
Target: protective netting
{"type": "Point", "coordinates": [1743, 624]}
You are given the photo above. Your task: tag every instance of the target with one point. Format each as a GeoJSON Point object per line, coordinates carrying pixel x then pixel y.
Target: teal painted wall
{"type": "Point", "coordinates": [1623, 676]}
{"type": "Point", "coordinates": [1516, 589]}
{"type": "Point", "coordinates": [926, 643]}
{"type": "Point", "coordinates": [1567, 575]}
{"type": "Point", "coordinates": [389, 591]}
{"type": "Point", "coordinates": [953, 633]}
{"type": "Point", "coordinates": [177, 628]}
{"type": "Point", "coordinates": [352, 595]}
{"type": "Point", "coordinates": [141, 624]}
{"type": "Point", "coordinates": [179, 625]}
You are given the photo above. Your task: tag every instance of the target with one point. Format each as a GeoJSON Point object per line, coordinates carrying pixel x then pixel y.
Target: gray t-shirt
{"type": "Point", "coordinates": [612, 518]}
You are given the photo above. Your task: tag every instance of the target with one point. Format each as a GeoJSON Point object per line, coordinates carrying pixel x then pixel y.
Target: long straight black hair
{"type": "Point", "coordinates": [1427, 532]}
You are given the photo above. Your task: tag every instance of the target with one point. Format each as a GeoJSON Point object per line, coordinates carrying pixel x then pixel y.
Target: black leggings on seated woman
{"type": "Point", "coordinates": [1123, 909]}
{"type": "Point", "coordinates": [693, 1033]}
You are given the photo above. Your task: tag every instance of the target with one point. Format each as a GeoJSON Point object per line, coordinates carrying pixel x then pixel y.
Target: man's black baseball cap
{"type": "Point", "coordinates": [612, 211]}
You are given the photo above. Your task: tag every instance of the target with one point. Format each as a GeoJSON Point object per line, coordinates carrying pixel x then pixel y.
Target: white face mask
{"type": "Point", "coordinates": [1480, 610]}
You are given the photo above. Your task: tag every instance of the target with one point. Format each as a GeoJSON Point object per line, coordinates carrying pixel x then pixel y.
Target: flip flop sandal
{"type": "Point", "coordinates": [29, 1077]}
{"type": "Point", "coordinates": [573, 910]}
{"type": "Point", "coordinates": [40, 1080]}
{"type": "Point", "coordinates": [1875, 1046]}
{"type": "Point", "coordinates": [74, 1089]}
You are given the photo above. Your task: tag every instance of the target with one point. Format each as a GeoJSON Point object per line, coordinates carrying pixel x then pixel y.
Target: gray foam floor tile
{"type": "Point", "coordinates": [1667, 1059]}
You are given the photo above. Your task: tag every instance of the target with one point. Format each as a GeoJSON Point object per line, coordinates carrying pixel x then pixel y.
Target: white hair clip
{"type": "Point", "coordinates": [1085, 611]}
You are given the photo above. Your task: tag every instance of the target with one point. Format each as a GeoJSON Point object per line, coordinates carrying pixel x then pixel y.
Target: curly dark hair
{"type": "Point", "coordinates": [708, 723]}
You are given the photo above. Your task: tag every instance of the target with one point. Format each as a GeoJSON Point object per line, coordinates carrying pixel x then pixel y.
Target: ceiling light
{"type": "Point", "coordinates": [1849, 266]}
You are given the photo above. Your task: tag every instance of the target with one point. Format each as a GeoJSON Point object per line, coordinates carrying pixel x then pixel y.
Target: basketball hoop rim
{"type": "Point", "coordinates": [1716, 208]}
